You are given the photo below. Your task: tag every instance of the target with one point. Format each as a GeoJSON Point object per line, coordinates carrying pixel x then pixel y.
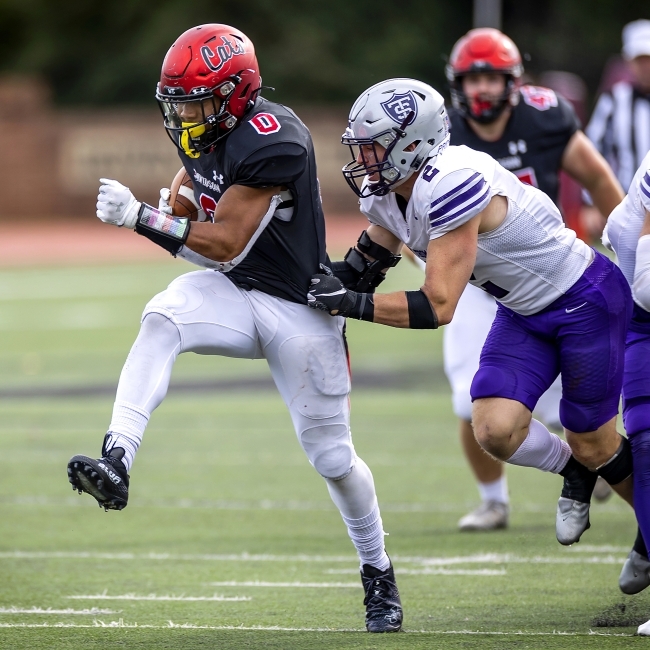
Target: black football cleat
{"type": "Point", "coordinates": [104, 479]}
{"type": "Point", "coordinates": [382, 601]}
{"type": "Point", "coordinates": [572, 516]}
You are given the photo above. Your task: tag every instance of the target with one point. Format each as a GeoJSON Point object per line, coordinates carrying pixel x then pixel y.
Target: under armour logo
{"type": "Point", "coordinates": [217, 177]}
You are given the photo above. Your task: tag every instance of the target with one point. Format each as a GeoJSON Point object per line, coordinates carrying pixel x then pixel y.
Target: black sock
{"type": "Point", "coordinates": [579, 482]}
{"type": "Point", "coordinates": [639, 544]}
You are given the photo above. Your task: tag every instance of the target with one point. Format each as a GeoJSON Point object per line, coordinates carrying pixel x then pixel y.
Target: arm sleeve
{"type": "Point", "coordinates": [457, 198]}
{"type": "Point", "coordinates": [641, 284]}
{"type": "Point", "coordinates": [277, 164]}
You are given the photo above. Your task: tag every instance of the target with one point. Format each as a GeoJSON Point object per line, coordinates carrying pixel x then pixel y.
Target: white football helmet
{"type": "Point", "coordinates": [408, 119]}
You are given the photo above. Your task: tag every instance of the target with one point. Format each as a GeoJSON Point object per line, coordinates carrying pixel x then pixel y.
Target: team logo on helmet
{"type": "Point", "coordinates": [399, 106]}
{"type": "Point", "coordinates": [216, 59]}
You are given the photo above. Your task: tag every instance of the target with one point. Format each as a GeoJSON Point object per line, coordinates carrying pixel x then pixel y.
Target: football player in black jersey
{"type": "Point", "coordinates": [535, 134]}
{"type": "Point", "coordinates": [253, 170]}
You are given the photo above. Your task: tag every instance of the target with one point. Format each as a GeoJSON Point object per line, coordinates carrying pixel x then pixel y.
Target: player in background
{"type": "Point", "coordinates": [563, 307]}
{"type": "Point", "coordinates": [628, 234]}
{"type": "Point", "coordinates": [535, 134]}
{"type": "Point", "coordinates": [254, 175]}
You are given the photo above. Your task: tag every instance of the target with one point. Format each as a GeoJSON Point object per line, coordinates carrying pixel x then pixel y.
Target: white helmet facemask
{"type": "Point", "coordinates": [407, 118]}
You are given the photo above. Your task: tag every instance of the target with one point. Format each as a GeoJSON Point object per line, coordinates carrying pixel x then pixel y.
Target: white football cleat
{"type": "Point", "coordinates": [635, 575]}
{"type": "Point", "coordinates": [644, 630]}
{"type": "Point", "coordinates": [571, 520]}
{"type": "Point", "coordinates": [490, 515]}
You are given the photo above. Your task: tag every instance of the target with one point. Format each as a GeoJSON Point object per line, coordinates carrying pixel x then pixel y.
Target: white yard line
{"type": "Point", "coordinates": [594, 548]}
{"type": "Point", "coordinates": [563, 557]}
{"type": "Point", "coordinates": [215, 598]}
{"type": "Point", "coordinates": [429, 572]}
{"type": "Point", "coordinates": [261, 628]}
{"type": "Point", "coordinates": [93, 611]}
{"type": "Point", "coordinates": [290, 505]}
{"type": "Point", "coordinates": [313, 585]}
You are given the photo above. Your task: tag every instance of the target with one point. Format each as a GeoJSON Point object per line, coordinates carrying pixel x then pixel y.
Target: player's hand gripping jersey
{"type": "Point", "coordinates": [534, 140]}
{"type": "Point", "coordinates": [271, 147]}
{"type": "Point", "coordinates": [526, 263]}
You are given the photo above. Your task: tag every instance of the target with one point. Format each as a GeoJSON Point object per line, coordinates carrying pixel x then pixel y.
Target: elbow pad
{"type": "Point", "coordinates": [641, 284]}
{"type": "Point", "coordinates": [357, 272]}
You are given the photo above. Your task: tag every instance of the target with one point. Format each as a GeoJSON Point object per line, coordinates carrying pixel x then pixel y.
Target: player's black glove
{"type": "Point", "coordinates": [328, 294]}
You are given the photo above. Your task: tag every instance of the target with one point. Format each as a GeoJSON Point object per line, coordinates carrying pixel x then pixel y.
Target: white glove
{"type": "Point", "coordinates": [116, 204]}
{"type": "Point", "coordinates": [163, 203]}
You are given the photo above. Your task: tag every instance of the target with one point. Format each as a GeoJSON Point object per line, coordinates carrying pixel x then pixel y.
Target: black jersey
{"type": "Point", "coordinates": [270, 147]}
{"type": "Point", "coordinates": [534, 140]}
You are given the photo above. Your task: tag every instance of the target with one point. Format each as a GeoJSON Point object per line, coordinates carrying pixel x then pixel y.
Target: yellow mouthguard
{"type": "Point", "coordinates": [191, 130]}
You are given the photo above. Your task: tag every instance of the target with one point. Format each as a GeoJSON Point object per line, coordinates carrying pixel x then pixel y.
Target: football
{"type": "Point", "coordinates": [182, 196]}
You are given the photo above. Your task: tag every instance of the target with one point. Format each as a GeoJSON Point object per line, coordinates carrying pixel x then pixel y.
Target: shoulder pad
{"type": "Point", "coordinates": [457, 197]}
{"type": "Point", "coordinates": [540, 98]}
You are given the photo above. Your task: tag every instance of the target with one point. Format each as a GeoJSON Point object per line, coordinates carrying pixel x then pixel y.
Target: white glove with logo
{"type": "Point", "coordinates": [116, 204]}
{"type": "Point", "coordinates": [163, 203]}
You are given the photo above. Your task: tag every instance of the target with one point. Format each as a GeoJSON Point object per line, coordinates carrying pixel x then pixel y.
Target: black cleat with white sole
{"type": "Point", "coordinates": [382, 601]}
{"type": "Point", "coordinates": [104, 479]}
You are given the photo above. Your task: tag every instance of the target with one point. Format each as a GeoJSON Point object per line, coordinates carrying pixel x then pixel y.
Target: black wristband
{"type": "Point", "coordinates": [422, 316]}
{"type": "Point", "coordinates": [363, 307]}
{"type": "Point", "coordinates": [163, 229]}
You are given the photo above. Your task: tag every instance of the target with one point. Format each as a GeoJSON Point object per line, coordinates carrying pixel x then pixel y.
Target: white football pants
{"type": "Point", "coordinates": [206, 313]}
{"type": "Point", "coordinates": [463, 340]}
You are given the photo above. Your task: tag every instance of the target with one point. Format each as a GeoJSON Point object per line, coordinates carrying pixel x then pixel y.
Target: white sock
{"type": "Point", "coordinates": [541, 449]}
{"type": "Point", "coordinates": [495, 490]}
{"type": "Point", "coordinates": [143, 384]}
{"type": "Point", "coordinates": [126, 430]}
{"type": "Point", "coordinates": [367, 535]}
{"type": "Point", "coordinates": [355, 498]}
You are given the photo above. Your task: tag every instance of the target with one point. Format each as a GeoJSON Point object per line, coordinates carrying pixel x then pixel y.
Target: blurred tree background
{"type": "Point", "coordinates": [312, 51]}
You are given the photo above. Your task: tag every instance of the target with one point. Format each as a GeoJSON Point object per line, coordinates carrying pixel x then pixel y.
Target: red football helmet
{"type": "Point", "coordinates": [215, 62]}
{"type": "Point", "coordinates": [484, 50]}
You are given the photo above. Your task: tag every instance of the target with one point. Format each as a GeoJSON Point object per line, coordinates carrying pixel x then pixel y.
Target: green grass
{"type": "Point", "coordinates": [221, 493]}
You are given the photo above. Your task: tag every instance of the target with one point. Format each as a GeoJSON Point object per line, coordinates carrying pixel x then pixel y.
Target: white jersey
{"type": "Point", "coordinates": [526, 263]}
{"type": "Point", "coordinates": [625, 222]}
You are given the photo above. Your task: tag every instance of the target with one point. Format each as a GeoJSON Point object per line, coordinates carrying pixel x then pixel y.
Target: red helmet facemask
{"type": "Point", "coordinates": [209, 62]}
{"type": "Point", "coordinates": [484, 50]}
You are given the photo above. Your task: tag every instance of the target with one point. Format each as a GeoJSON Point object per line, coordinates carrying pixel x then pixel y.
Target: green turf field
{"type": "Point", "coordinates": [230, 540]}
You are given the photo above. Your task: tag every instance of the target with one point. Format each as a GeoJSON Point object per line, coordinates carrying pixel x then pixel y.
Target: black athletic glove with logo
{"type": "Point", "coordinates": [329, 294]}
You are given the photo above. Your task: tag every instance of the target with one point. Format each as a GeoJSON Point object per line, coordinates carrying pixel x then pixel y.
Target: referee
{"type": "Point", "coordinates": [620, 124]}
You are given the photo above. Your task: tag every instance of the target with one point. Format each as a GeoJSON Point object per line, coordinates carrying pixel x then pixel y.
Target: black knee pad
{"type": "Point", "coordinates": [619, 466]}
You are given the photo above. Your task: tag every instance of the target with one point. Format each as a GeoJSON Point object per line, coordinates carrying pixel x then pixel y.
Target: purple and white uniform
{"type": "Point", "coordinates": [562, 306]}
{"type": "Point", "coordinates": [623, 230]}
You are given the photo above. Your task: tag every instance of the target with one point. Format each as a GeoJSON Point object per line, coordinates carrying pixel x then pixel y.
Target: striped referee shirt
{"type": "Point", "coordinates": [620, 129]}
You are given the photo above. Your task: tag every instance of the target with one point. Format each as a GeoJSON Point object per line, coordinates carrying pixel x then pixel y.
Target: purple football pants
{"type": "Point", "coordinates": [581, 334]}
{"type": "Point", "coordinates": [636, 412]}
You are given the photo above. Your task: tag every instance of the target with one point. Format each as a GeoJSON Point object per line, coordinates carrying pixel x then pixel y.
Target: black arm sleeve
{"type": "Point", "coordinates": [278, 164]}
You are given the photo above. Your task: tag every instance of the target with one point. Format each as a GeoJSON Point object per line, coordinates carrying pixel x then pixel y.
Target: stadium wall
{"type": "Point", "coordinates": [53, 158]}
